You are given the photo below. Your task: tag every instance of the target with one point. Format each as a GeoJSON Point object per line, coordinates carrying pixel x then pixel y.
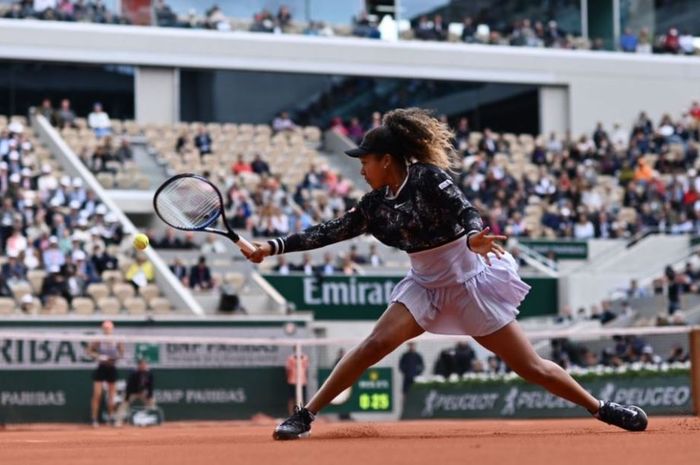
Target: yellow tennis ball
{"type": "Point", "coordinates": [141, 241]}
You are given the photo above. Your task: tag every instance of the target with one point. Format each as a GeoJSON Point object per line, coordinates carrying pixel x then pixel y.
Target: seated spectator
{"type": "Point", "coordinates": [65, 117]}
{"type": "Point", "coordinates": [54, 285]}
{"type": "Point", "coordinates": [338, 126]}
{"type": "Point", "coordinates": [644, 42]}
{"type": "Point", "coordinates": [241, 166]}
{"type": "Point", "coordinates": [52, 256]}
{"type": "Point", "coordinates": [636, 292]}
{"type": "Point", "coordinates": [423, 29]}
{"type": "Point", "coordinates": [283, 123]}
{"type": "Point", "coordinates": [468, 30]}
{"type": "Point", "coordinates": [180, 271]}
{"type": "Point", "coordinates": [672, 41]}
{"type": "Point", "coordinates": [188, 243]}
{"type": "Point", "coordinates": [217, 20]}
{"type": "Point", "coordinates": [262, 22]}
{"type": "Point", "coordinates": [327, 267]}
{"type": "Point", "coordinates": [355, 256]}
{"type": "Point", "coordinates": [203, 141]}
{"type": "Point", "coordinates": [5, 290]}
{"type": "Point", "coordinates": [284, 18]}
{"type": "Point", "coordinates": [212, 245]}
{"type": "Point", "coordinates": [200, 276]}
{"type": "Point", "coordinates": [169, 240]}
{"type": "Point", "coordinates": [306, 266]}
{"type": "Point", "coordinates": [282, 267]}
{"type": "Point", "coordinates": [364, 27]}
{"type": "Point", "coordinates": [259, 166]}
{"type": "Point", "coordinates": [374, 258]}
{"type": "Point", "coordinates": [102, 261]}
{"type": "Point", "coordinates": [686, 43]}
{"type": "Point", "coordinates": [16, 243]}
{"type": "Point", "coordinates": [628, 41]}
{"type": "Point", "coordinates": [678, 355]}
{"type": "Point", "coordinates": [348, 267]}
{"type": "Point", "coordinates": [165, 17]}
{"type": "Point", "coordinates": [182, 141]}
{"type": "Point", "coordinates": [141, 272]}
{"type": "Point", "coordinates": [355, 130]}
{"type": "Point", "coordinates": [124, 152]}
{"type": "Point", "coordinates": [98, 121]}
{"type": "Point", "coordinates": [47, 111]}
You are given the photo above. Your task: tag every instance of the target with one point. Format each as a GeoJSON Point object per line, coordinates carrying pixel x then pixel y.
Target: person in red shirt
{"type": "Point", "coordinates": [292, 379]}
{"type": "Point", "coordinates": [241, 166]}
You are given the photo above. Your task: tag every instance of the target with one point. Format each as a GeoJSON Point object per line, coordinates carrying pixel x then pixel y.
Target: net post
{"type": "Point", "coordinates": [299, 391]}
{"type": "Point", "coordinates": [694, 352]}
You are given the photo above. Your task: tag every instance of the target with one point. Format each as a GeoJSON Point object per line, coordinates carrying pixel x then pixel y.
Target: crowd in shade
{"type": "Point", "coordinates": [609, 183]}
{"type": "Point", "coordinates": [527, 32]}
{"type": "Point", "coordinates": [49, 222]}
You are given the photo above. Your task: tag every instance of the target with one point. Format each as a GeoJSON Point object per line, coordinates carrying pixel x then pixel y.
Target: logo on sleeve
{"type": "Point", "coordinates": [445, 183]}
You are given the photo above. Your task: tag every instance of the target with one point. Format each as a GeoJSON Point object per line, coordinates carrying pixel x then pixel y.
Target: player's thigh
{"type": "Point", "coordinates": [395, 326]}
{"type": "Point", "coordinates": [512, 345]}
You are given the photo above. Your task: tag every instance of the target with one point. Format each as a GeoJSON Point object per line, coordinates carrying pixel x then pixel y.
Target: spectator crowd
{"type": "Point", "coordinates": [528, 32]}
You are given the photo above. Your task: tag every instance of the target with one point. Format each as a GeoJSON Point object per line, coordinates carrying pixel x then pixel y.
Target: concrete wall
{"type": "Point", "coordinates": [157, 95]}
{"type": "Point", "coordinates": [602, 86]}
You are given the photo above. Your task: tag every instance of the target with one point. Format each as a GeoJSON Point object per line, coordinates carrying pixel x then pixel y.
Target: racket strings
{"type": "Point", "coordinates": [188, 203]}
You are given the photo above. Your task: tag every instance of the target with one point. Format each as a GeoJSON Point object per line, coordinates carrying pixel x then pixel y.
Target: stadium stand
{"type": "Point", "coordinates": [523, 32]}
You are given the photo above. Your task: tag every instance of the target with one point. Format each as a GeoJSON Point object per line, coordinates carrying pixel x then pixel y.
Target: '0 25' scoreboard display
{"type": "Point", "coordinates": [371, 393]}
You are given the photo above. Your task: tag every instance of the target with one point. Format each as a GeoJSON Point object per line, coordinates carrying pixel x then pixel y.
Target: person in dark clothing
{"type": "Point", "coordinates": [411, 365]}
{"type": "Point", "coordinates": [139, 386]}
{"type": "Point", "coordinates": [200, 276]}
{"type": "Point", "coordinates": [464, 355]}
{"type": "Point", "coordinates": [674, 290]}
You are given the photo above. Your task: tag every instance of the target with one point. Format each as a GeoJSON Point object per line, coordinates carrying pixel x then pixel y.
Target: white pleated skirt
{"type": "Point", "coordinates": [451, 290]}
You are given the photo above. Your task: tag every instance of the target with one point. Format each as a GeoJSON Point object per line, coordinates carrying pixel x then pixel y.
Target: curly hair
{"type": "Point", "coordinates": [422, 136]}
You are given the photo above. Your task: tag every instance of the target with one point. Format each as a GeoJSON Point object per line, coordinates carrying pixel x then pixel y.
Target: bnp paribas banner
{"type": "Point", "coordinates": [365, 297]}
{"type": "Point", "coordinates": [666, 394]}
{"type": "Point", "coordinates": [183, 394]}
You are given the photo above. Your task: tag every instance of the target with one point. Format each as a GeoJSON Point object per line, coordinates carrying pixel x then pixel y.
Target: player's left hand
{"type": "Point", "coordinates": [483, 243]}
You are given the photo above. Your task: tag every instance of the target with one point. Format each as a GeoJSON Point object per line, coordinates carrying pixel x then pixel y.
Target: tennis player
{"type": "Point", "coordinates": [106, 353]}
{"type": "Point", "coordinates": [461, 280]}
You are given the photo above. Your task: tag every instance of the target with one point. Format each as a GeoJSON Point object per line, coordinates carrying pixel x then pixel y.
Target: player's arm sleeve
{"type": "Point", "coordinates": [447, 193]}
{"type": "Point", "coordinates": [351, 224]}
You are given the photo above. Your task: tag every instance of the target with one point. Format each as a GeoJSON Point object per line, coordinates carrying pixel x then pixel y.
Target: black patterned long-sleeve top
{"type": "Point", "coordinates": [428, 211]}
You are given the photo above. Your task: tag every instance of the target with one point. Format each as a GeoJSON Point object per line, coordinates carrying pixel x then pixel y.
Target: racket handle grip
{"type": "Point", "coordinates": [244, 245]}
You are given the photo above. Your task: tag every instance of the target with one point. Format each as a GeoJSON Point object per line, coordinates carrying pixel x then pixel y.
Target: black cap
{"type": "Point", "coordinates": [378, 140]}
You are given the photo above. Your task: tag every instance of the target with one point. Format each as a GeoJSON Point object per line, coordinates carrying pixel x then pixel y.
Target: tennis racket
{"type": "Point", "coordinates": [192, 203]}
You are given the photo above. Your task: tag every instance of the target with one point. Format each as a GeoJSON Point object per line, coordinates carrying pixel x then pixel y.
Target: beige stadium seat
{"type": "Point", "coordinates": [161, 305]}
{"type": "Point", "coordinates": [19, 290]}
{"type": "Point", "coordinates": [97, 291]}
{"type": "Point", "coordinates": [106, 179]}
{"type": "Point", "coordinates": [36, 279]}
{"type": "Point", "coordinates": [135, 306]}
{"type": "Point", "coordinates": [149, 292]}
{"type": "Point", "coordinates": [123, 291]}
{"type": "Point", "coordinates": [83, 306]}
{"type": "Point", "coordinates": [56, 306]}
{"type": "Point", "coordinates": [109, 305]}
{"type": "Point", "coordinates": [7, 306]}
{"type": "Point", "coordinates": [235, 279]}
{"type": "Point", "coordinates": [112, 277]}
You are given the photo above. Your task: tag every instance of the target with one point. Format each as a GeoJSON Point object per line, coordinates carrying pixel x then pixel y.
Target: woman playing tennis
{"type": "Point", "coordinates": [461, 280]}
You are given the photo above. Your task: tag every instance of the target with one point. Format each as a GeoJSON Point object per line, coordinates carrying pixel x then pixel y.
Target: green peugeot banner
{"type": "Point", "coordinates": [664, 394]}
{"type": "Point", "coordinates": [340, 297]}
{"type": "Point", "coordinates": [183, 394]}
{"type": "Point", "coordinates": [372, 393]}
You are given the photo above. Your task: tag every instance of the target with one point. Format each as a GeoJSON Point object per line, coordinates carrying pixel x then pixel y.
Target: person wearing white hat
{"type": "Point", "coordinates": [27, 303]}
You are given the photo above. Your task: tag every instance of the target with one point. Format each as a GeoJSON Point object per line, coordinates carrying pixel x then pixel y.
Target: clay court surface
{"type": "Point", "coordinates": [668, 441]}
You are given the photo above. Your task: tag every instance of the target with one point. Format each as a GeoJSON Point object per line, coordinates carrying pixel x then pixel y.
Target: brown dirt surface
{"type": "Point", "coordinates": [522, 442]}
